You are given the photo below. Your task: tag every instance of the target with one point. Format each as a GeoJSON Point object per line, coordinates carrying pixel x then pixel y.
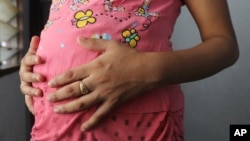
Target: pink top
{"type": "Point", "coordinates": [145, 25]}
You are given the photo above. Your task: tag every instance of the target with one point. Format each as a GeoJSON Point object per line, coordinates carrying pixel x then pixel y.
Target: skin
{"type": "Point", "coordinates": [145, 71]}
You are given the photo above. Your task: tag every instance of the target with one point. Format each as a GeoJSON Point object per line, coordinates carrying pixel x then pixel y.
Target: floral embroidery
{"type": "Point", "coordinates": [105, 36]}
{"type": "Point", "coordinates": [48, 24]}
{"type": "Point", "coordinates": [75, 5]}
{"type": "Point", "coordinates": [131, 37]}
{"type": "Point", "coordinates": [109, 6]}
{"type": "Point", "coordinates": [57, 4]}
{"type": "Point", "coordinates": [82, 18]}
{"type": "Point", "coordinates": [144, 10]}
{"type": "Point", "coordinates": [81, 1]}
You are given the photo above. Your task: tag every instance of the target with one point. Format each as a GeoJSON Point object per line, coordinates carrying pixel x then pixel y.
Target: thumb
{"type": "Point", "coordinates": [98, 45]}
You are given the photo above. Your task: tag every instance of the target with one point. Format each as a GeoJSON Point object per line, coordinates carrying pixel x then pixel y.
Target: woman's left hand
{"type": "Point", "coordinates": [116, 76]}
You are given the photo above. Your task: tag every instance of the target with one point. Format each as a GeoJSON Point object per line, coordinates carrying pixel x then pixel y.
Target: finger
{"type": "Point", "coordinates": [29, 103]}
{"type": "Point", "coordinates": [31, 77]}
{"type": "Point", "coordinates": [31, 59]}
{"type": "Point", "coordinates": [69, 91]}
{"type": "Point", "coordinates": [79, 104]}
{"type": "Point", "coordinates": [27, 89]}
{"type": "Point", "coordinates": [101, 112]}
{"type": "Point", "coordinates": [72, 75]}
{"type": "Point", "coordinates": [33, 45]}
{"type": "Point", "coordinates": [98, 45]}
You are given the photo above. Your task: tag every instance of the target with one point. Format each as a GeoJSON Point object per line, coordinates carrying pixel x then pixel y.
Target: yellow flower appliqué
{"type": "Point", "coordinates": [140, 11]}
{"type": "Point", "coordinates": [83, 18]}
{"type": "Point", "coordinates": [131, 37]}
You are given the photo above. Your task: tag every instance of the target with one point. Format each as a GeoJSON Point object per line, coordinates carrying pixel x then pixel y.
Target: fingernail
{"type": "Point", "coordinates": [36, 60]}
{"type": "Point", "coordinates": [36, 93]}
{"type": "Point", "coordinates": [82, 38]}
{"type": "Point", "coordinates": [83, 129]}
{"type": "Point", "coordinates": [51, 83]}
{"type": "Point", "coordinates": [57, 109]}
{"type": "Point", "coordinates": [37, 77]}
{"type": "Point", "coordinates": [49, 98]}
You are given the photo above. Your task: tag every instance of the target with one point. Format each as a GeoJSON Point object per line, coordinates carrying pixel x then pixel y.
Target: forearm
{"type": "Point", "coordinates": [201, 61]}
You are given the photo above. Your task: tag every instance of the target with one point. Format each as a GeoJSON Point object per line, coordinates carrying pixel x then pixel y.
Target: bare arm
{"type": "Point", "coordinates": [217, 51]}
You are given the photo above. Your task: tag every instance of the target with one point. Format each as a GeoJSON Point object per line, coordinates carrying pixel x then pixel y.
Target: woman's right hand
{"type": "Point", "coordinates": [27, 76]}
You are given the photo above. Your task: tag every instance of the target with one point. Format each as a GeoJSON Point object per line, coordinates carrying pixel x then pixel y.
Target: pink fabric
{"type": "Point", "coordinates": [146, 25]}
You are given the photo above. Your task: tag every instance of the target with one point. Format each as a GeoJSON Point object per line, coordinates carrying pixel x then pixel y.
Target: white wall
{"type": "Point", "coordinates": [214, 103]}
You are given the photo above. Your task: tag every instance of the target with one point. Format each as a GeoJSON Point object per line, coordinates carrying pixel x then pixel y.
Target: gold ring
{"type": "Point", "coordinates": [83, 89]}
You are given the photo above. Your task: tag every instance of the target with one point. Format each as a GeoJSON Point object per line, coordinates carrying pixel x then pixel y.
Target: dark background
{"type": "Point", "coordinates": [15, 120]}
